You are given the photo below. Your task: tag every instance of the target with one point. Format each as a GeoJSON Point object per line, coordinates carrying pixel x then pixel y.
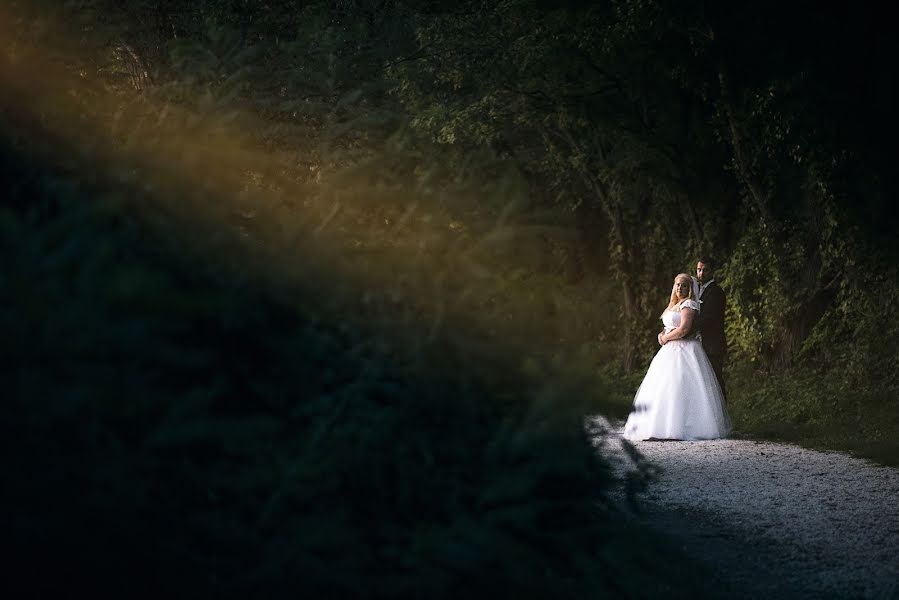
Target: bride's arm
{"type": "Point", "coordinates": [687, 315]}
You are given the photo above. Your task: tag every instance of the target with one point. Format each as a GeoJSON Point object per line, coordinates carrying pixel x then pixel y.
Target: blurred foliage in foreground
{"type": "Point", "coordinates": [174, 431]}
{"type": "Point", "coordinates": [207, 401]}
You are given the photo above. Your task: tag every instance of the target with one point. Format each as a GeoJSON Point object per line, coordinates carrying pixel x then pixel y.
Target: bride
{"type": "Point", "coordinates": [680, 397]}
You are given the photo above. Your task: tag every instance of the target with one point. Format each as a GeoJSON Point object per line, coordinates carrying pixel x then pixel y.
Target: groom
{"type": "Point", "coordinates": [711, 317]}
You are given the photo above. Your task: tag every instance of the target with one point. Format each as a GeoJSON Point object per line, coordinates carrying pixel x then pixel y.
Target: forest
{"type": "Point", "coordinates": [307, 297]}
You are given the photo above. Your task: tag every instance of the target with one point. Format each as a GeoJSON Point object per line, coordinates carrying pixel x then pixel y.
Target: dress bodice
{"type": "Point", "coordinates": [671, 317]}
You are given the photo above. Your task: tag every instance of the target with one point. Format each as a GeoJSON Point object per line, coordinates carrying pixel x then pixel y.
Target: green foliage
{"type": "Point", "coordinates": [176, 427]}
{"type": "Point", "coordinates": [822, 408]}
{"type": "Point", "coordinates": [322, 301]}
{"type": "Point", "coordinates": [190, 414]}
{"type": "Point", "coordinates": [758, 290]}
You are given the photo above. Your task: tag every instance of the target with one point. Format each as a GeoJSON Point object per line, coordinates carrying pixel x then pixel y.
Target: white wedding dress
{"type": "Point", "coordinates": [680, 397]}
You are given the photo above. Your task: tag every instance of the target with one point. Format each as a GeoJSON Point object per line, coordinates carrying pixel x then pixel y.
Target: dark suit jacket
{"type": "Point", "coordinates": [711, 319]}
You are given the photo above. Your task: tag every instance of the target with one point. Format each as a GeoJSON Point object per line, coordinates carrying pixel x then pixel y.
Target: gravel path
{"type": "Point", "coordinates": [778, 521]}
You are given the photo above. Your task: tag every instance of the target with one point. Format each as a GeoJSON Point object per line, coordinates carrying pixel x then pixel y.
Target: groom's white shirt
{"type": "Point", "coordinates": [699, 288]}
{"type": "Point", "coordinates": [702, 286]}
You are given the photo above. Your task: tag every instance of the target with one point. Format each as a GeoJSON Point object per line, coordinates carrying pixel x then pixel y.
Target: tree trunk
{"type": "Point", "coordinates": [799, 324]}
{"type": "Point", "coordinates": [760, 197]}
{"type": "Point", "coordinates": [620, 235]}
{"type": "Point", "coordinates": [631, 316]}
{"type": "Point", "coordinates": [625, 264]}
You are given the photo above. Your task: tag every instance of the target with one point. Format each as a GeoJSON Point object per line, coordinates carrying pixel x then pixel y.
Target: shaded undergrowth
{"type": "Point", "coordinates": [817, 409]}
{"type": "Point", "coordinates": [177, 425]}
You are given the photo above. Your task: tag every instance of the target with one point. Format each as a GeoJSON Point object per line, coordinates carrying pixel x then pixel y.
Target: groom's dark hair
{"type": "Point", "coordinates": [706, 260]}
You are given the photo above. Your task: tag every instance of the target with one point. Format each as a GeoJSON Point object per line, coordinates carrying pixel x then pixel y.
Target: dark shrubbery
{"type": "Point", "coordinates": [170, 431]}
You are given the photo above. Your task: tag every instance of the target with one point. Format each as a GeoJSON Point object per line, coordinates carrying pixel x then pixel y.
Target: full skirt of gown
{"type": "Point", "coordinates": [680, 397]}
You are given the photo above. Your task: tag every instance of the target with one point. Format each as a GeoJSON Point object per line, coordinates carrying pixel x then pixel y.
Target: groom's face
{"type": "Point", "coordinates": [703, 272]}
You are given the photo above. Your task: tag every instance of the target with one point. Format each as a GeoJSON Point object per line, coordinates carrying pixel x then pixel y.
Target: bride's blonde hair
{"type": "Point", "coordinates": [674, 301]}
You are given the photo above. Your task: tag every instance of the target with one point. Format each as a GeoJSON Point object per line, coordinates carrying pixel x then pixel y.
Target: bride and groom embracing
{"type": "Point", "coordinates": [682, 394]}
